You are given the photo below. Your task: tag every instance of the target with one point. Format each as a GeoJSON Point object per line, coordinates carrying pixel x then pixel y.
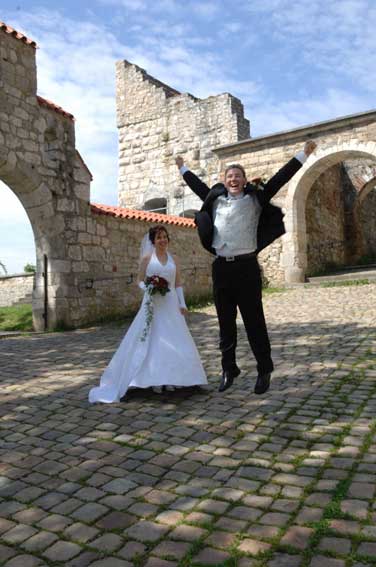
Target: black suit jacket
{"type": "Point", "coordinates": [270, 225]}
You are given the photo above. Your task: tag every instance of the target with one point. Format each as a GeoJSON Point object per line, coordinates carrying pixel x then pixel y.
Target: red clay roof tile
{"type": "Point", "coordinates": [121, 212]}
{"type": "Point", "coordinates": [44, 102]}
{"type": "Point", "coordinates": [17, 35]}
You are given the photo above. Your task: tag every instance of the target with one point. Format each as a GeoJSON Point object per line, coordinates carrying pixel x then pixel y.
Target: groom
{"type": "Point", "coordinates": [235, 223]}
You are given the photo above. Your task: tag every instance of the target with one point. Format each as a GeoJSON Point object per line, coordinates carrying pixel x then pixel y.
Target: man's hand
{"type": "Point", "coordinates": [183, 310]}
{"type": "Point", "coordinates": [179, 161]}
{"type": "Point", "coordinates": [309, 147]}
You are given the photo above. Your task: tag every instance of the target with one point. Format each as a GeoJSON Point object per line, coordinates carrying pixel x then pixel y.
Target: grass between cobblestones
{"type": "Point", "coordinates": [346, 283]}
{"type": "Point", "coordinates": [331, 511]}
{"type": "Point", "coordinates": [347, 398]}
{"type": "Point", "coordinates": [322, 528]}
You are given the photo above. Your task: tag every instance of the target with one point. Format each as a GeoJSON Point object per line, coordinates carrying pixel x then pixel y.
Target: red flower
{"type": "Point", "coordinates": [156, 284]}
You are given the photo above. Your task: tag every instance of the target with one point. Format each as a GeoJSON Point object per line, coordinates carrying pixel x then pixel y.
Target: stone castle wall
{"type": "Point", "coordinates": [342, 140]}
{"type": "Point", "coordinates": [264, 162]}
{"type": "Point", "coordinates": [92, 258]}
{"type": "Point", "coordinates": [40, 164]}
{"type": "Point", "coordinates": [16, 289]}
{"type": "Point", "coordinates": [155, 122]}
{"type": "Point", "coordinates": [92, 254]}
{"type": "Point", "coordinates": [103, 266]}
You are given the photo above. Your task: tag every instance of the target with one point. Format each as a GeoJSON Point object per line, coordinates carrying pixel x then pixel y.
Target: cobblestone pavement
{"type": "Point", "coordinates": [196, 477]}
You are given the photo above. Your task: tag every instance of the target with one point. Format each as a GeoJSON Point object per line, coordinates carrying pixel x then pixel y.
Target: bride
{"type": "Point", "coordinates": [158, 349]}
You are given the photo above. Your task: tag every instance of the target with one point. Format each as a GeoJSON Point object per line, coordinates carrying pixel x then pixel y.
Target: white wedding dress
{"type": "Point", "coordinates": [167, 356]}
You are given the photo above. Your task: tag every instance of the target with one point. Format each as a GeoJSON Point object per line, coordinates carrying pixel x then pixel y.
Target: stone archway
{"type": "Point", "coordinates": [91, 250]}
{"type": "Point", "coordinates": [36, 198]}
{"type": "Point", "coordinates": [40, 164]}
{"type": "Point", "coordinates": [366, 212]}
{"type": "Point", "coordinates": [295, 241]}
{"type": "Point", "coordinates": [367, 188]}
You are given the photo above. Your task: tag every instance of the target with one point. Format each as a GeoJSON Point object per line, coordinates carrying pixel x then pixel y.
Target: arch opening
{"type": "Point", "coordinates": [32, 206]}
{"type": "Point", "coordinates": [367, 218]}
{"type": "Point", "coordinates": [324, 212]}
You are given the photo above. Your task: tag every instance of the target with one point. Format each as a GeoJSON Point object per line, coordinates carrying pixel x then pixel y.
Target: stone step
{"type": "Point", "coordinates": [23, 300]}
{"type": "Point", "coordinates": [346, 274]}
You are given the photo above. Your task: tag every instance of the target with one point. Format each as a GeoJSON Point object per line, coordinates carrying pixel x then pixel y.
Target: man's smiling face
{"type": "Point", "coordinates": [235, 181]}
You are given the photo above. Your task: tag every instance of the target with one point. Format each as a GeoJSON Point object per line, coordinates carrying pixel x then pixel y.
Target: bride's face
{"type": "Point", "coordinates": [161, 240]}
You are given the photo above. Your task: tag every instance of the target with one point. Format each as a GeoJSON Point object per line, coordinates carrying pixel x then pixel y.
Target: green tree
{"type": "Point", "coordinates": [30, 268]}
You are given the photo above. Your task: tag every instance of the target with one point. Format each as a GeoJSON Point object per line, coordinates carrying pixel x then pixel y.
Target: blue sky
{"type": "Point", "coordinates": [291, 63]}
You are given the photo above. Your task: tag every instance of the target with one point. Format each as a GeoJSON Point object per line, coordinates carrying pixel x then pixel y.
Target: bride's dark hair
{"type": "Point", "coordinates": [155, 230]}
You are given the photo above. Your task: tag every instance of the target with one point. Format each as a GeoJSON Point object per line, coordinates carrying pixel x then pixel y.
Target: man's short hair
{"type": "Point", "coordinates": [235, 166]}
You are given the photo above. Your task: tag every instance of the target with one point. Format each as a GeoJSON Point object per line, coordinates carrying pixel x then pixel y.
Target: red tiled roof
{"type": "Point", "coordinates": [121, 212]}
{"type": "Point", "coordinates": [44, 102]}
{"type": "Point", "coordinates": [17, 35]}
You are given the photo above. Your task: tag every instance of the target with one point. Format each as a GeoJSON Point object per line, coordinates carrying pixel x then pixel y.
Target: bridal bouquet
{"type": "Point", "coordinates": [154, 285]}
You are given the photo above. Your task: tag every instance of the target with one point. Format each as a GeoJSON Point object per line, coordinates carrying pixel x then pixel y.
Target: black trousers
{"type": "Point", "coordinates": [238, 284]}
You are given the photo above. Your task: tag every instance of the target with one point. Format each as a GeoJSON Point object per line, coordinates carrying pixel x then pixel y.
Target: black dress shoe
{"type": "Point", "coordinates": [228, 379]}
{"type": "Point", "coordinates": [262, 383]}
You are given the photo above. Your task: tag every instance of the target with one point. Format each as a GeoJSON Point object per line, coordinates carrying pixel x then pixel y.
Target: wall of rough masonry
{"type": "Point", "coordinates": [91, 258]}
{"type": "Point", "coordinates": [16, 289]}
{"type": "Point", "coordinates": [368, 223]}
{"type": "Point", "coordinates": [263, 161]}
{"type": "Point", "coordinates": [104, 265]}
{"type": "Point", "coordinates": [326, 244]}
{"type": "Point", "coordinates": [155, 122]}
{"type": "Point", "coordinates": [40, 164]}
{"type": "Point", "coordinates": [341, 140]}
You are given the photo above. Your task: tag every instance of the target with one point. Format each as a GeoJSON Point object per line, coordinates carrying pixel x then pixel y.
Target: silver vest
{"type": "Point", "coordinates": [235, 224]}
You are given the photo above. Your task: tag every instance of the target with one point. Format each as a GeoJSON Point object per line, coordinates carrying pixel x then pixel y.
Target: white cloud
{"type": "Point", "coordinates": [333, 36]}
{"type": "Point", "coordinates": [232, 27]}
{"type": "Point", "coordinates": [158, 6]}
{"type": "Point", "coordinates": [130, 4]}
{"type": "Point", "coordinates": [205, 10]}
{"type": "Point", "coordinates": [271, 116]}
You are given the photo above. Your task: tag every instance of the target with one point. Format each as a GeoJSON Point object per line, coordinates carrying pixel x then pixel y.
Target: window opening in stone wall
{"type": "Point", "coordinates": [157, 205]}
{"type": "Point", "coordinates": [189, 213]}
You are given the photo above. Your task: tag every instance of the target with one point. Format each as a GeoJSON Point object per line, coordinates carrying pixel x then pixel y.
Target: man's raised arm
{"type": "Point", "coordinates": [288, 171]}
{"type": "Point", "coordinates": [193, 182]}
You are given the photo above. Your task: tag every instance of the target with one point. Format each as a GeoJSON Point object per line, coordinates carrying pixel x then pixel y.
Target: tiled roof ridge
{"type": "Point", "coordinates": [45, 102]}
{"type": "Point", "coordinates": [122, 212]}
{"type": "Point", "coordinates": [17, 34]}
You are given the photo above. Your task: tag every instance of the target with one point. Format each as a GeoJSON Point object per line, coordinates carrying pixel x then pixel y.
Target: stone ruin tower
{"type": "Point", "coordinates": [155, 123]}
